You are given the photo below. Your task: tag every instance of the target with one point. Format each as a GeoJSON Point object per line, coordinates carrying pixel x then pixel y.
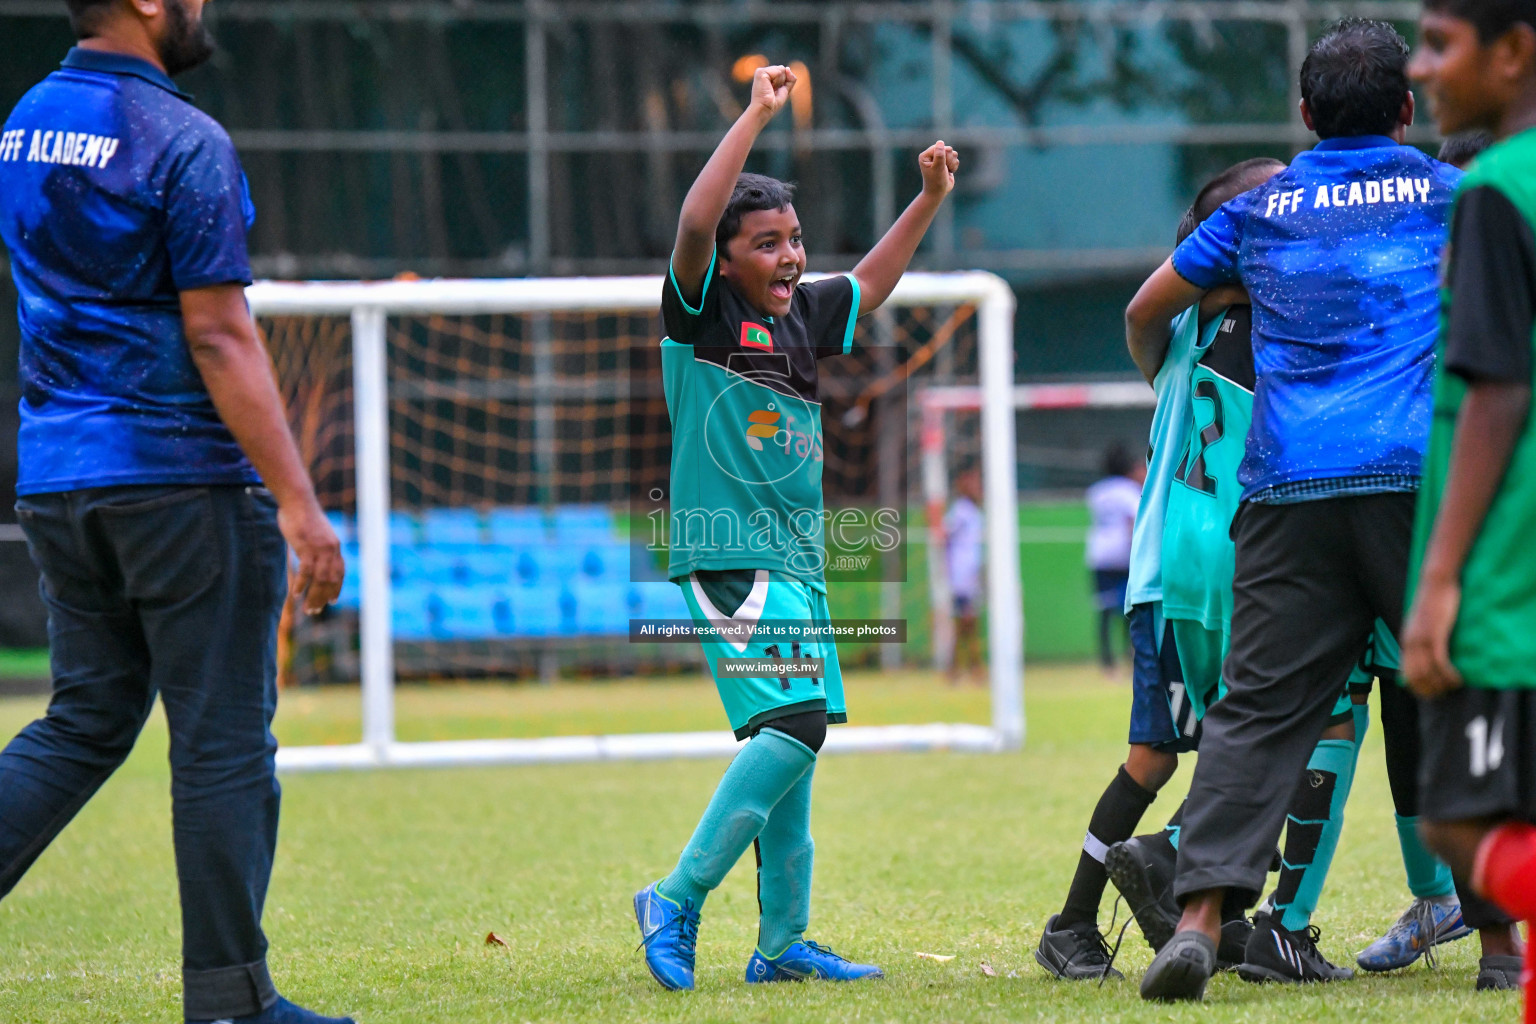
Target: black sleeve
{"type": "Point", "coordinates": [1231, 353]}
{"type": "Point", "coordinates": [685, 323]}
{"type": "Point", "coordinates": [831, 310]}
{"type": "Point", "coordinates": [1492, 276]}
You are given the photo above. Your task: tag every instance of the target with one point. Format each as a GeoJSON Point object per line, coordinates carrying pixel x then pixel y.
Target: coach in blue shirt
{"type": "Point", "coordinates": [1339, 253]}
{"type": "Point", "coordinates": [158, 479]}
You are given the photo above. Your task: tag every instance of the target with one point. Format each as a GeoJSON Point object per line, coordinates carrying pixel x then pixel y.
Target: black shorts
{"type": "Point", "coordinates": [1161, 716]}
{"type": "Point", "coordinates": [1478, 755]}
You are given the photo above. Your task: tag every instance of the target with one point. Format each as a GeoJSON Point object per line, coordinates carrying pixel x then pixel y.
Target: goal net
{"type": "Point", "coordinates": [495, 456]}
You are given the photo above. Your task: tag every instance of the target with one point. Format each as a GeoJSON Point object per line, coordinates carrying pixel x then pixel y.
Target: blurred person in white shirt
{"type": "Point", "coordinates": [964, 538]}
{"type": "Point", "coordinates": [1112, 505]}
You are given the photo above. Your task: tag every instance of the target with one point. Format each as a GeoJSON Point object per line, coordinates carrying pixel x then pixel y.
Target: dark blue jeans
{"type": "Point", "coordinates": [171, 590]}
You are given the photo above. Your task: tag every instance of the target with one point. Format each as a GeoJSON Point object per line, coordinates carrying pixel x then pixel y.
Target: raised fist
{"type": "Point", "coordinates": [938, 163]}
{"type": "Point", "coordinates": [771, 87]}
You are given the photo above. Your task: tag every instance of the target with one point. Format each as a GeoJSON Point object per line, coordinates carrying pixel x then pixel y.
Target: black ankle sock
{"type": "Point", "coordinates": [1114, 820]}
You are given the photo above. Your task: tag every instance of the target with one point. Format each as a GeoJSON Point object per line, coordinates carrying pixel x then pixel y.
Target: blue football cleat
{"type": "Point", "coordinates": [281, 1012]}
{"type": "Point", "coordinates": [1409, 938]}
{"type": "Point", "coordinates": [806, 961]}
{"type": "Point", "coordinates": [669, 932]}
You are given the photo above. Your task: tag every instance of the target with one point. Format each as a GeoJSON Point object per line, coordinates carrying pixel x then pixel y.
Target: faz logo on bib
{"type": "Point", "coordinates": [763, 424]}
{"type": "Point", "coordinates": [756, 336]}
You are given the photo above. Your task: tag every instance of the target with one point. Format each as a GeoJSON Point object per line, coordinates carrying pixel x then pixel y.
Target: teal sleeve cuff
{"type": "Point", "coordinates": [853, 315]}
{"type": "Point", "coordinates": [708, 276]}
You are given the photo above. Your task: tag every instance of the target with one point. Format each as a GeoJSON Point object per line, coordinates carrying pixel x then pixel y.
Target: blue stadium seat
{"type": "Point", "coordinates": [343, 524]}
{"type": "Point", "coordinates": [533, 613]}
{"type": "Point", "coordinates": [501, 614]}
{"type": "Point", "coordinates": [603, 608]}
{"type": "Point", "coordinates": [411, 614]}
{"type": "Point", "coordinates": [463, 613]}
{"type": "Point", "coordinates": [583, 523]}
{"type": "Point", "coordinates": [647, 565]}
{"type": "Point", "coordinates": [405, 565]}
{"type": "Point", "coordinates": [526, 567]}
{"type": "Point", "coordinates": [606, 562]}
{"type": "Point", "coordinates": [548, 565]}
{"type": "Point", "coordinates": [440, 568]}
{"type": "Point", "coordinates": [517, 525]}
{"type": "Point", "coordinates": [662, 600]}
{"type": "Point", "coordinates": [351, 597]}
{"type": "Point", "coordinates": [403, 529]}
{"type": "Point", "coordinates": [492, 564]}
{"type": "Point", "coordinates": [442, 527]}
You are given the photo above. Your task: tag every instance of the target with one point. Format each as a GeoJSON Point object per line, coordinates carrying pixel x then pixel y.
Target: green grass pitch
{"type": "Point", "coordinates": [388, 882]}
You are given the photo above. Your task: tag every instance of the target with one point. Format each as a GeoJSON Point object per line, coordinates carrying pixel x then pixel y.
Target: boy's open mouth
{"type": "Point", "coordinates": [783, 286]}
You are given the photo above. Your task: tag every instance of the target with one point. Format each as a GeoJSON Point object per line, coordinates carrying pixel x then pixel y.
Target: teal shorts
{"type": "Point", "coordinates": [1380, 661]}
{"type": "Point", "coordinates": [757, 608]}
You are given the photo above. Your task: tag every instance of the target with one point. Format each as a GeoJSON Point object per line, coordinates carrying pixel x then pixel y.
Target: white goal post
{"type": "Point", "coordinates": [369, 305]}
{"type": "Point", "coordinates": [934, 404]}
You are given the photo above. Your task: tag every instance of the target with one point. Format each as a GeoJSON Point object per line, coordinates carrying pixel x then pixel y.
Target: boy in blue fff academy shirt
{"type": "Point", "coordinates": [158, 481]}
{"type": "Point", "coordinates": [740, 364]}
{"type": "Point", "coordinates": [1339, 254]}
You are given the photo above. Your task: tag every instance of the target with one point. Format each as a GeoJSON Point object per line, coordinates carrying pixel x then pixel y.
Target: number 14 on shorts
{"type": "Point", "coordinates": [1486, 745]}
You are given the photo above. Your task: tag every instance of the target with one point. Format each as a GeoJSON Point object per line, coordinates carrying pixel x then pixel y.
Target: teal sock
{"type": "Point", "coordinates": [1174, 827]}
{"type": "Point", "coordinates": [1312, 830]}
{"type": "Point", "coordinates": [1362, 716]}
{"type": "Point", "coordinates": [785, 855]}
{"type": "Point", "coordinates": [759, 776]}
{"type": "Point", "coordinates": [1428, 876]}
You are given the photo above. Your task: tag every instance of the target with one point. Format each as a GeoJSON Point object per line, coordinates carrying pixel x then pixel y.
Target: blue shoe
{"type": "Point", "coordinates": [805, 961]}
{"type": "Point", "coordinates": [669, 933]}
{"type": "Point", "coordinates": [281, 1012]}
{"type": "Point", "coordinates": [1409, 938]}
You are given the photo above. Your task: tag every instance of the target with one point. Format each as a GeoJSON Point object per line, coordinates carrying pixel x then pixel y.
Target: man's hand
{"type": "Point", "coordinates": [1427, 639]}
{"type": "Point", "coordinates": [235, 367]}
{"type": "Point", "coordinates": [316, 580]}
{"type": "Point", "coordinates": [771, 87]}
{"type": "Point", "coordinates": [938, 163]}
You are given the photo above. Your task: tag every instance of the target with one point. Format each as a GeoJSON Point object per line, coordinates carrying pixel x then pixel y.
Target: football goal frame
{"type": "Point", "coordinates": [369, 307]}
{"type": "Point", "coordinates": [935, 404]}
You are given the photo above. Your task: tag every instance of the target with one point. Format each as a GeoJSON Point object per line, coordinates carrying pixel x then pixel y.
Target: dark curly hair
{"type": "Point", "coordinates": [752, 192]}
{"type": "Point", "coordinates": [1355, 78]}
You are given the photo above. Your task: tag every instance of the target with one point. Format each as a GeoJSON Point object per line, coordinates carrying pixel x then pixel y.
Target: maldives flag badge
{"type": "Point", "coordinates": [756, 336]}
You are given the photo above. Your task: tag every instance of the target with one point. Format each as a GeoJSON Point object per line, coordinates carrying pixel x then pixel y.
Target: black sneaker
{"type": "Point", "coordinates": [1180, 969]}
{"type": "Point", "coordinates": [1077, 952]}
{"type": "Point", "coordinates": [1233, 948]}
{"type": "Point", "coordinates": [1277, 954]}
{"type": "Point", "coordinates": [1498, 973]}
{"type": "Point", "coordinates": [1143, 872]}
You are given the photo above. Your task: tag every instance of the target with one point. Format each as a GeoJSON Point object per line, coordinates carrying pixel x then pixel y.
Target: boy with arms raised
{"type": "Point", "coordinates": [740, 368]}
{"type": "Point", "coordinates": [1470, 639]}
